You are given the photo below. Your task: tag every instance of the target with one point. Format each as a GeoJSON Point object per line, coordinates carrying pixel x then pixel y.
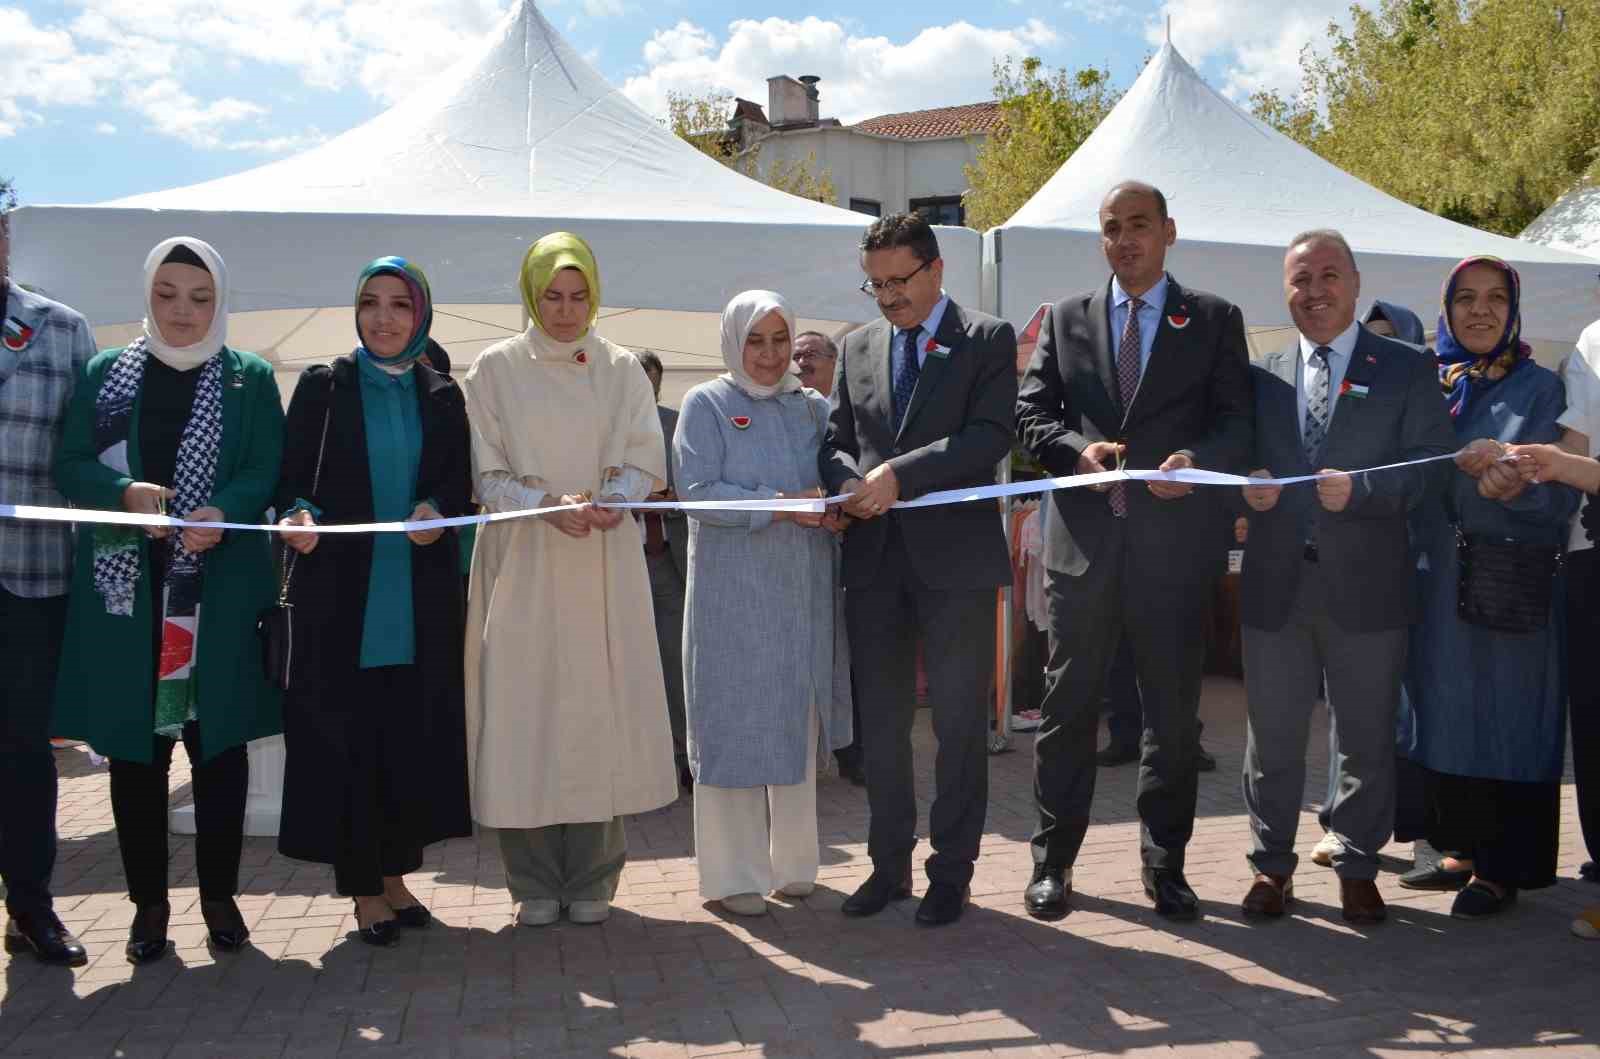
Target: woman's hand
{"type": "Point", "coordinates": [196, 541]}
{"type": "Point", "coordinates": [836, 521]}
{"type": "Point", "coordinates": [808, 519]}
{"type": "Point", "coordinates": [606, 518]}
{"type": "Point", "coordinates": [421, 513]}
{"type": "Point", "coordinates": [147, 498]}
{"type": "Point", "coordinates": [1502, 482]}
{"type": "Point", "coordinates": [572, 523]}
{"type": "Point", "coordinates": [1479, 455]}
{"type": "Point", "coordinates": [304, 543]}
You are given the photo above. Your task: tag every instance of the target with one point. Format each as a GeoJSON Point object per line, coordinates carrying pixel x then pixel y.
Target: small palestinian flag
{"type": "Point", "coordinates": [740, 422]}
{"type": "Point", "coordinates": [581, 357]}
{"type": "Point", "coordinates": [1179, 320]}
{"type": "Point", "coordinates": [16, 335]}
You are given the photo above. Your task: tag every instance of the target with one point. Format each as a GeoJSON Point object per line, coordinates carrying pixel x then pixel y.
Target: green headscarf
{"type": "Point", "coordinates": [550, 255]}
{"type": "Point", "coordinates": [421, 310]}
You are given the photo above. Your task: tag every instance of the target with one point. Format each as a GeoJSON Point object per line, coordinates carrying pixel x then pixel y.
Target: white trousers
{"type": "Point", "coordinates": [753, 840]}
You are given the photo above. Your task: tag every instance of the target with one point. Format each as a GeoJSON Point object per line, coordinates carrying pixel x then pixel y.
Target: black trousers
{"type": "Point", "coordinates": [1089, 615]}
{"type": "Point", "coordinates": [380, 841]}
{"type": "Point", "coordinates": [31, 630]}
{"type": "Point", "coordinates": [957, 631]}
{"type": "Point", "coordinates": [1583, 688]}
{"type": "Point", "coordinates": [139, 805]}
{"type": "Point", "coordinates": [850, 756]}
{"type": "Point", "coordinates": [1510, 831]}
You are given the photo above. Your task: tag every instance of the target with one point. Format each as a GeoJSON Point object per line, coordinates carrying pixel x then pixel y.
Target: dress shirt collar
{"type": "Point", "coordinates": [1343, 345]}
{"type": "Point", "coordinates": [1156, 296]}
{"type": "Point", "coordinates": [930, 326]}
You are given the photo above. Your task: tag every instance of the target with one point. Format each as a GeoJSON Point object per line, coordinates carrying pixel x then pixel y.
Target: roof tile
{"type": "Point", "coordinates": [932, 124]}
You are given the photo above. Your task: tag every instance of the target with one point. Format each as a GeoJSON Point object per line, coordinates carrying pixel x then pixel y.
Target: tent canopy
{"type": "Point", "coordinates": [517, 140]}
{"type": "Point", "coordinates": [1572, 222]}
{"type": "Point", "coordinates": [1239, 192]}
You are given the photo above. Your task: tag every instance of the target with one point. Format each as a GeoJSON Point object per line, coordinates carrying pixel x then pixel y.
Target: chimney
{"type": "Point", "coordinates": [791, 103]}
{"type": "Point", "coordinates": [812, 111]}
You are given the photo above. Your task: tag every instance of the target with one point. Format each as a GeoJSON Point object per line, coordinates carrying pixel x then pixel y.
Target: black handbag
{"type": "Point", "coordinates": [1505, 584]}
{"type": "Point", "coordinates": [275, 624]}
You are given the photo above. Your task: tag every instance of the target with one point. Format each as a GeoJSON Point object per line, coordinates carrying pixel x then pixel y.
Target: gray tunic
{"type": "Point", "coordinates": [763, 640]}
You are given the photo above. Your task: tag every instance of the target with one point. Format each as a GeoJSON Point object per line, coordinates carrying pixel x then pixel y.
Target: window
{"type": "Point", "coordinates": [871, 207]}
{"type": "Point", "coordinates": [946, 209]}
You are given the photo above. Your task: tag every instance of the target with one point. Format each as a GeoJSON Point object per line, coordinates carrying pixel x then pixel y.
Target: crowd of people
{"type": "Point", "coordinates": [595, 661]}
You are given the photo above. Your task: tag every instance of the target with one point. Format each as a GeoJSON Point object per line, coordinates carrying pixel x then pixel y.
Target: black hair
{"type": "Point", "coordinates": [182, 255]}
{"type": "Point", "coordinates": [833, 348]}
{"type": "Point", "coordinates": [902, 229]}
{"type": "Point", "coordinates": [649, 361]}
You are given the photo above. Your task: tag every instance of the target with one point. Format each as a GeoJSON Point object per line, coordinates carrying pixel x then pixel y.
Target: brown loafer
{"type": "Point", "coordinates": [1361, 900]}
{"type": "Point", "coordinates": [1269, 895]}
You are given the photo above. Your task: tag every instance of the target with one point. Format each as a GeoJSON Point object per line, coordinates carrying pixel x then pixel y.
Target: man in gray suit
{"type": "Point", "coordinates": [1327, 587]}
{"type": "Point", "coordinates": [666, 557]}
{"type": "Point", "coordinates": [923, 400]}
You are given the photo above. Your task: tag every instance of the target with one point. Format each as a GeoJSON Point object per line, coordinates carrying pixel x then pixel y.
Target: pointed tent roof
{"type": "Point", "coordinates": [519, 139]}
{"type": "Point", "coordinates": [1239, 191]}
{"type": "Point", "coordinates": [1573, 221]}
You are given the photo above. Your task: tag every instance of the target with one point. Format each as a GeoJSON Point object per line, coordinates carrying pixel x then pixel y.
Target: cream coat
{"type": "Point", "coordinates": [566, 709]}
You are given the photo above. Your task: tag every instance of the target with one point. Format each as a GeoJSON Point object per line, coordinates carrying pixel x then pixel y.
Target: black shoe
{"type": "Point", "coordinates": [414, 916]}
{"type": "Point", "coordinates": [874, 895]}
{"type": "Point", "coordinates": [1171, 894]}
{"type": "Point", "coordinates": [1047, 892]}
{"type": "Point", "coordinates": [147, 937]}
{"type": "Point", "coordinates": [1431, 874]}
{"type": "Point", "coordinates": [224, 925]}
{"type": "Point", "coordinates": [854, 773]}
{"type": "Point", "coordinates": [383, 933]}
{"type": "Point", "coordinates": [942, 904]}
{"type": "Point", "coordinates": [1478, 901]}
{"type": "Point", "coordinates": [42, 934]}
{"type": "Point", "coordinates": [1590, 872]}
{"type": "Point", "coordinates": [1114, 755]}
{"type": "Point", "coordinates": [1203, 760]}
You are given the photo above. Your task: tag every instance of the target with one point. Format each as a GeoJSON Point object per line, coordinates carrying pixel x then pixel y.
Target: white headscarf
{"type": "Point", "coordinates": [742, 314]}
{"type": "Point", "coordinates": [187, 357]}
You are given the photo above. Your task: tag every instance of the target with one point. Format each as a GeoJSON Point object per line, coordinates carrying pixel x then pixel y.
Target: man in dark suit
{"type": "Point", "coordinates": [923, 400]}
{"type": "Point", "coordinates": [1154, 374]}
{"type": "Point", "coordinates": [666, 557]}
{"type": "Point", "coordinates": [1327, 587]}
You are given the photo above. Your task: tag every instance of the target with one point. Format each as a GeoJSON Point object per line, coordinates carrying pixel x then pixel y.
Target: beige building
{"type": "Point", "coordinates": [914, 160]}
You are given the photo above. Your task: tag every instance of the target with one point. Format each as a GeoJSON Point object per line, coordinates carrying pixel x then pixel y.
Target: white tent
{"type": "Point", "coordinates": [521, 139]}
{"type": "Point", "coordinates": [1573, 221]}
{"type": "Point", "coordinates": [1239, 192]}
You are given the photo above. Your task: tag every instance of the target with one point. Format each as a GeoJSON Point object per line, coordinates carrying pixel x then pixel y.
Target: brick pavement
{"type": "Point", "coordinates": [668, 976]}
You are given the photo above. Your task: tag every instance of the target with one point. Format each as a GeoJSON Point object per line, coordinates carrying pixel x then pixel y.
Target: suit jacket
{"type": "Point", "coordinates": [958, 427]}
{"type": "Point", "coordinates": [673, 524]}
{"type": "Point", "coordinates": [1364, 547]}
{"type": "Point", "coordinates": [1194, 396]}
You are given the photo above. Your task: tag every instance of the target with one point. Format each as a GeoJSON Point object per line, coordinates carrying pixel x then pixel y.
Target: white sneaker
{"type": "Point", "coordinates": [798, 889]}
{"type": "Point", "coordinates": [538, 913]}
{"type": "Point", "coordinates": [745, 904]}
{"type": "Point", "coordinates": [1330, 846]}
{"type": "Point", "coordinates": [589, 912]}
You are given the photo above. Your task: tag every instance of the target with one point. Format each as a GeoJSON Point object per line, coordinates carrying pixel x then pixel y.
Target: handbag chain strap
{"type": "Point", "coordinates": [316, 482]}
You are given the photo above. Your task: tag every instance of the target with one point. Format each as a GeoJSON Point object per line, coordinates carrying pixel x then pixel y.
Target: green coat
{"type": "Point", "coordinates": [105, 694]}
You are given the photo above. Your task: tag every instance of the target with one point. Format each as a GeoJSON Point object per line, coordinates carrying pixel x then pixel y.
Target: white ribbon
{"type": "Point", "coordinates": [1189, 476]}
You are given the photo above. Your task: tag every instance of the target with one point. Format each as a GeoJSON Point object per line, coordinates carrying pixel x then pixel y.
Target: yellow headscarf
{"type": "Point", "coordinates": [550, 255]}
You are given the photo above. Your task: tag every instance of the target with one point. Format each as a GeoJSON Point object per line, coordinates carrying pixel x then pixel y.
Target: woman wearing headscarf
{"type": "Point", "coordinates": [1487, 680]}
{"type": "Point", "coordinates": [1395, 321]}
{"type": "Point", "coordinates": [373, 719]}
{"type": "Point", "coordinates": [160, 641]}
{"type": "Point", "coordinates": [566, 710]}
{"type": "Point", "coordinates": [762, 654]}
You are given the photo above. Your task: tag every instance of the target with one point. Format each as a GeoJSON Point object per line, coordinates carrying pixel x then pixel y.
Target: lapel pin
{"type": "Point", "coordinates": [17, 335]}
{"type": "Point", "coordinates": [740, 422]}
{"type": "Point", "coordinates": [581, 357]}
{"type": "Point", "coordinates": [934, 349]}
{"type": "Point", "coordinates": [236, 382]}
{"type": "Point", "coordinates": [1180, 319]}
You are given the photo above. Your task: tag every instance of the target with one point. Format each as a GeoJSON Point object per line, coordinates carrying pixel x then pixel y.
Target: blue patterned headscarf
{"type": "Point", "coordinates": [1463, 373]}
{"type": "Point", "coordinates": [421, 310]}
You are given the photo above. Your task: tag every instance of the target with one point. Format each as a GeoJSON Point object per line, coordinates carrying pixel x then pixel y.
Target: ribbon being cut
{"type": "Point", "coordinates": [948, 496]}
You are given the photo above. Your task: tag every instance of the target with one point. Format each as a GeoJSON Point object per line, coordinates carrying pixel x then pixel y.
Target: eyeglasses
{"type": "Point", "coordinates": [892, 285]}
{"type": "Point", "coordinates": [801, 355]}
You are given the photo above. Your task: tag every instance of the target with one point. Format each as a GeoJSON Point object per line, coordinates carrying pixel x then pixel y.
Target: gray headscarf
{"type": "Point", "coordinates": [742, 314]}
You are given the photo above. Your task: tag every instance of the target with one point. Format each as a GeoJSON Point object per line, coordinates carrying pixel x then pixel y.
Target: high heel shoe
{"type": "Point", "coordinates": [383, 933]}
{"type": "Point", "coordinates": [224, 923]}
{"type": "Point", "coordinates": [413, 916]}
{"type": "Point", "coordinates": [147, 937]}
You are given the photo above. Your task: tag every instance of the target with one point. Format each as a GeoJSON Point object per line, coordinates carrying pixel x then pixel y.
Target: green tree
{"type": "Point", "coordinates": [1044, 116]}
{"type": "Point", "coordinates": [8, 194]}
{"type": "Point", "coordinates": [1484, 111]}
{"type": "Point", "coordinates": [702, 120]}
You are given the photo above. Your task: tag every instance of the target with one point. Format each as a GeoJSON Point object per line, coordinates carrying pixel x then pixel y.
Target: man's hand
{"type": "Point", "coordinates": [196, 541]}
{"type": "Point", "coordinates": [873, 495]}
{"type": "Point", "coordinates": [1093, 460]}
{"type": "Point", "coordinates": [1502, 482]}
{"type": "Point", "coordinates": [1173, 490]}
{"type": "Point", "coordinates": [1334, 493]}
{"type": "Point", "coordinates": [1479, 456]}
{"type": "Point", "coordinates": [421, 513]}
{"type": "Point", "coordinates": [1261, 497]}
{"type": "Point", "coordinates": [304, 543]}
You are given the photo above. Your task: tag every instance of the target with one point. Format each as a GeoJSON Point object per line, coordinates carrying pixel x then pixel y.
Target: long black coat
{"type": "Point", "coordinates": [324, 712]}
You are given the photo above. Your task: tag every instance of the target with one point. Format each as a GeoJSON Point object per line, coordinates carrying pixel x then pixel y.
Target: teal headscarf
{"type": "Point", "coordinates": [421, 310]}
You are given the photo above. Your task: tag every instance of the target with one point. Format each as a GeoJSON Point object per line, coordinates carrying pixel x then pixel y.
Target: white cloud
{"type": "Point", "coordinates": [41, 69]}
{"type": "Point", "coordinates": [1100, 11]}
{"type": "Point", "coordinates": [1260, 39]}
{"type": "Point", "coordinates": [105, 128]}
{"type": "Point", "coordinates": [861, 76]}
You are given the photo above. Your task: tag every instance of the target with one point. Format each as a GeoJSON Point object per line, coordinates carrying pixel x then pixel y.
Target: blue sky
{"type": "Point", "coordinates": [105, 98]}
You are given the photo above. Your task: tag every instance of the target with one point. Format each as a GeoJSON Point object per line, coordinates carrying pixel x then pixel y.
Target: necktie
{"type": "Point", "coordinates": [1127, 385]}
{"type": "Point", "coordinates": [1317, 381]}
{"type": "Point", "coordinates": [907, 369]}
